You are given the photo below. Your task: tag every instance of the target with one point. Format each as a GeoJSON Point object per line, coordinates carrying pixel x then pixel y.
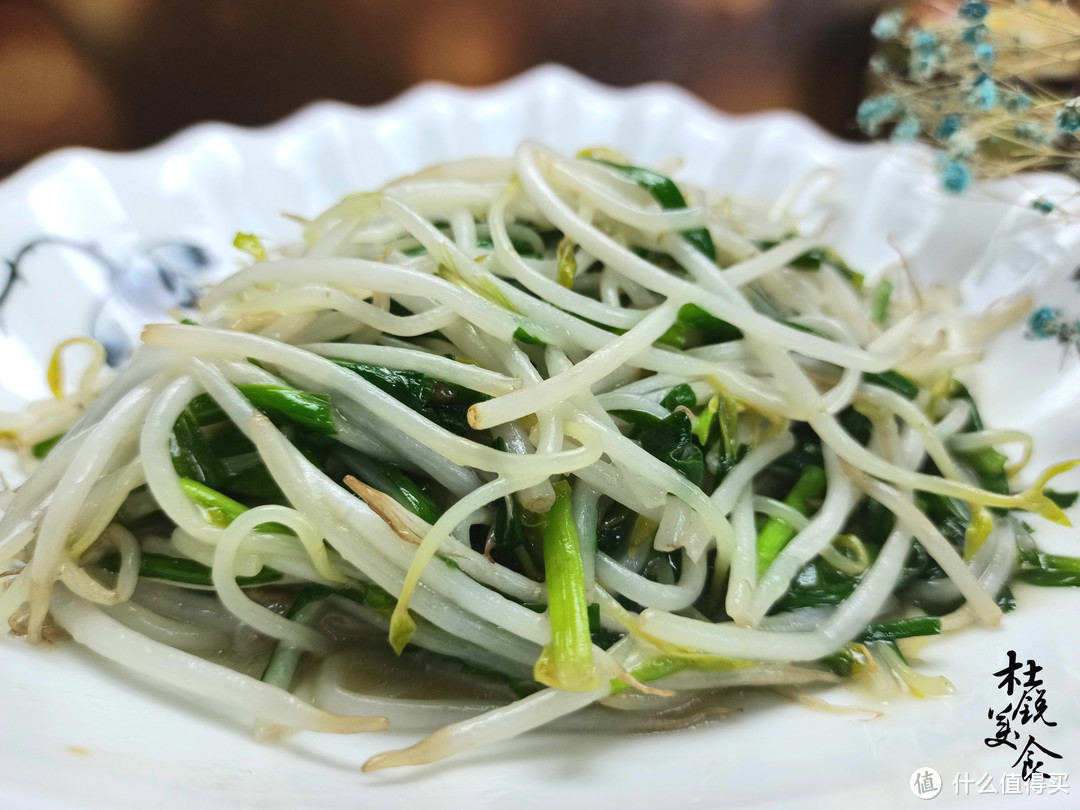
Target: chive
{"type": "Point", "coordinates": [510, 529]}
{"type": "Point", "coordinates": [1050, 578]}
{"type": "Point", "coordinates": [882, 295]}
{"type": "Point", "coordinates": [390, 480]}
{"type": "Point", "coordinates": [282, 665]}
{"type": "Point", "coordinates": [523, 248]}
{"type": "Point", "coordinates": [652, 670]}
{"type": "Point", "coordinates": [839, 662]}
{"type": "Point", "coordinates": [594, 617]}
{"type": "Point", "coordinates": [667, 194]}
{"type": "Point", "coordinates": [378, 599]}
{"type": "Point", "coordinates": [815, 597]}
{"type": "Point", "coordinates": [446, 404]}
{"type": "Point", "coordinates": [950, 515]}
{"type": "Point", "coordinates": [989, 468]}
{"type": "Point", "coordinates": [303, 407]}
{"type": "Point", "coordinates": [815, 257]}
{"type": "Point", "coordinates": [206, 410]}
{"type": "Point", "coordinates": [960, 391]}
{"type": "Point", "coordinates": [1049, 570]}
{"type": "Point", "coordinates": [664, 665]}
{"type": "Point", "coordinates": [191, 455]}
{"type": "Point", "coordinates": [676, 336]}
{"type": "Point", "coordinates": [42, 448]}
{"type": "Point", "coordinates": [894, 382]}
{"type": "Point", "coordinates": [567, 661]}
{"type": "Point", "coordinates": [525, 337]}
{"type": "Point", "coordinates": [281, 668]}
{"type": "Point", "coordinates": [309, 410]}
{"type": "Point", "coordinates": [185, 571]}
{"type": "Point", "coordinates": [903, 628]}
{"type": "Point", "coordinates": [221, 509]}
{"type": "Point", "coordinates": [777, 533]}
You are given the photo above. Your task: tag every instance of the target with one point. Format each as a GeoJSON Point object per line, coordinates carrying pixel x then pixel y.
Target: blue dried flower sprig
{"type": "Point", "coordinates": [1047, 323]}
{"type": "Point", "coordinates": [974, 10]}
{"type": "Point", "coordinates": [971, 90]}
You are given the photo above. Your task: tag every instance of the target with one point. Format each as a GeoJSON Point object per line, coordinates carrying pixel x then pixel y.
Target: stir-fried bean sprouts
{"type": "Point", "coordinates": [560, 429]}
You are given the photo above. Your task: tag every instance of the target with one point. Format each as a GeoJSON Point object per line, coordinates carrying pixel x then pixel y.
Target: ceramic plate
{"type": "Point", "coordinates": [101, 243]}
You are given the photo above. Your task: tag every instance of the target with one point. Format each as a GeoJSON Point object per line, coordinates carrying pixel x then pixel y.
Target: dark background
{"type": "Point", "coordinates": [121, 74]}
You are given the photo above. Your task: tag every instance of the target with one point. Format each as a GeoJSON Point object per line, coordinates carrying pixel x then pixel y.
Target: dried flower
{"type": "Point", "coordinates": [949, 126]}
{"type": "Point", "coordinates": [974, 34]}
{"type": "Point", "coordinates": [888, 25]}
{"type": "Point", "coordinates": [971, 87]}
{"type": "Point", "coordinates": [955, 176]}
{"type": "Point", "coordinates": [1015, 103]}
{"type": "Point", "coordinates": [923, 42]}
{"type": "Point", "coordinates": [1067, 118]}
{"type": "Point", "coordinates": [1044, 322]}
{"type": "Point", "coordinates": [1042, 205]}
{"type": "Point", "coordinates": [878, 65]}
{"type": "Point", "coordinates": [874, 112]}
{"type": "Point", "coordinates": [985, 55]}
{"type": "Point", "coordinates": [907, 129]}
{"type": "Point", "coordinates": [960, 146]}
{"type": "Point", "coordinates": [1031, 132]}
{"type": "Point", "coordinates": [982, 93]}
{"type": "Point", "coordinates": [974, 10]}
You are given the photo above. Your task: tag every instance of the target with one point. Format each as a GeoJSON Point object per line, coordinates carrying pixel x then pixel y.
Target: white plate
{"type": "Point", "coordinates": [79, 733]}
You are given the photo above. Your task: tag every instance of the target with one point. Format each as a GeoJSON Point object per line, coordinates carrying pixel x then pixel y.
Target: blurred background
{"type": "Point", "coordinates": [122, 74]}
